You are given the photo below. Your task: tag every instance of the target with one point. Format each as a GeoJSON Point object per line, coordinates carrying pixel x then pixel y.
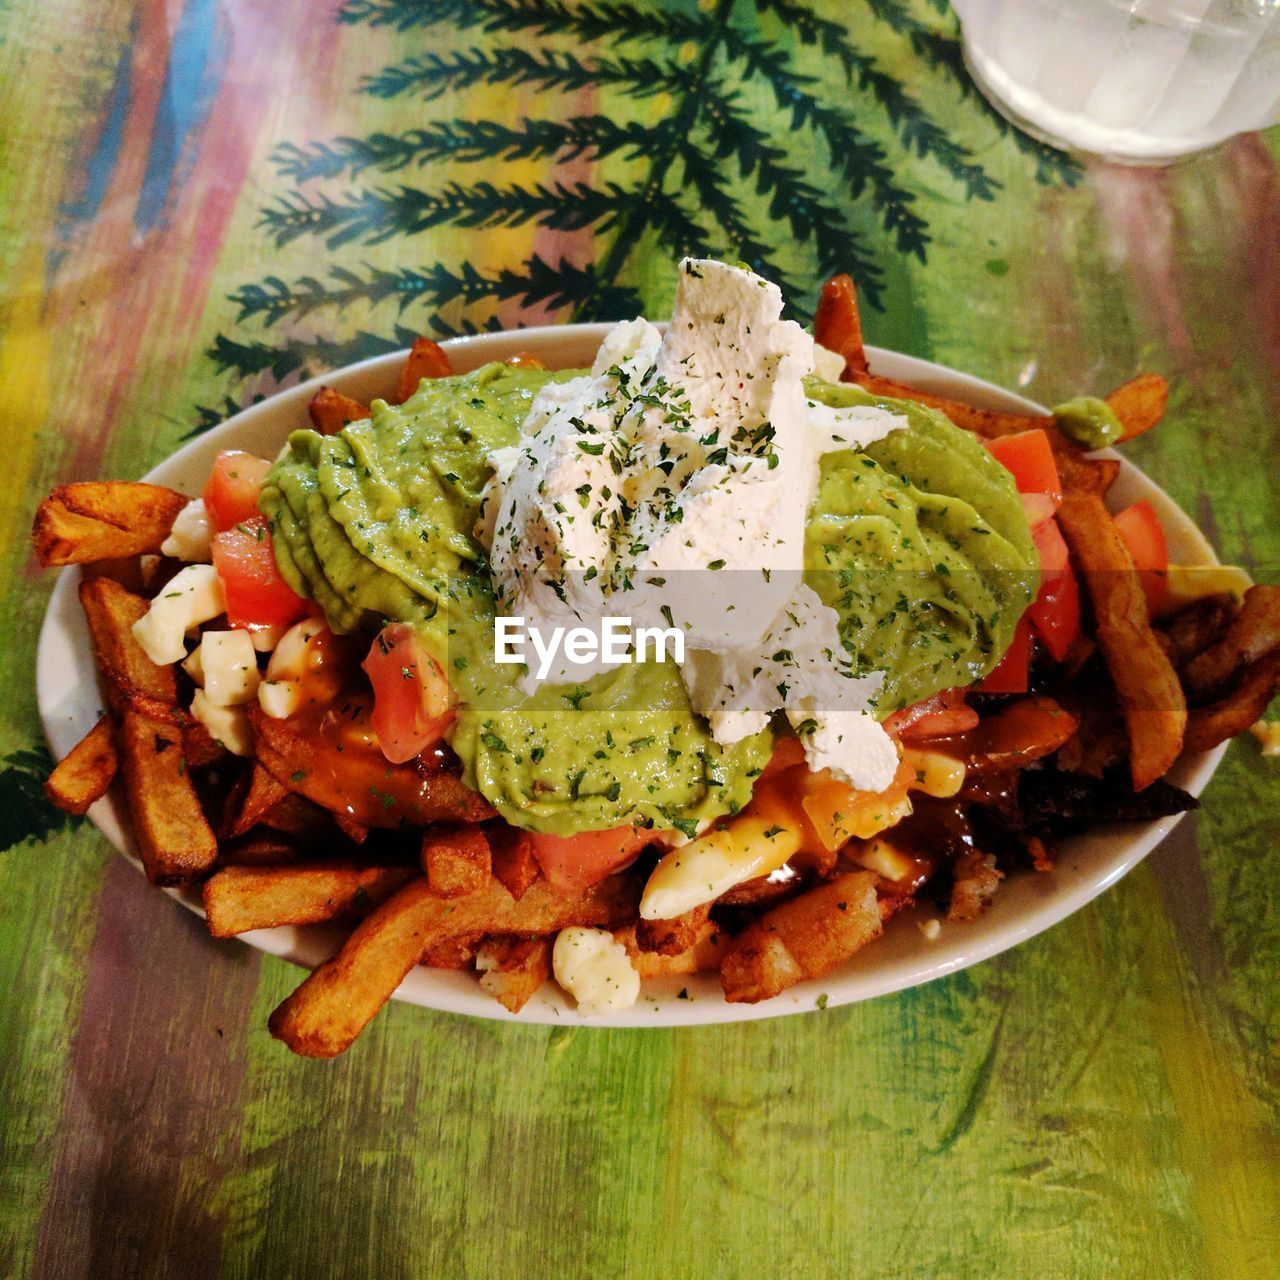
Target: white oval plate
{"type": "Point", "coordinates": [69, 702]}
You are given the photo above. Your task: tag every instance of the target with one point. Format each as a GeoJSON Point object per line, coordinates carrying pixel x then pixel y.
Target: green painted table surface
{"type": "Point", "coordinates": [206, 199]}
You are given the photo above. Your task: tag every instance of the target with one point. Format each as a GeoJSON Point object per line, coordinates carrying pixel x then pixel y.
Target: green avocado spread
{"type": "Point", "coordinates": [918, 542]}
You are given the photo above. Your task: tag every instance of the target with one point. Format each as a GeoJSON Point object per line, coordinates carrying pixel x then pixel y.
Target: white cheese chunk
{"type": "Point", "coordinates": [828, 365]}
{"type": "Point", "coordinates": [190, 536]}
{"type": "Point", "coordinates": [594, 968]}
{"type": "Point", "coordinates": [228, 725]}
{"type": "Point", "coordinates": [229, 665]}
{"type": "Point", "coordinates": [192, 596]}
{"type": "Point", "coordinates": [280, 699]}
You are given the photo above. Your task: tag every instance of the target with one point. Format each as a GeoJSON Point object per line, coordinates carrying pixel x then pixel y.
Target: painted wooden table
{"type": "Point", "coordinates": [205, 200]}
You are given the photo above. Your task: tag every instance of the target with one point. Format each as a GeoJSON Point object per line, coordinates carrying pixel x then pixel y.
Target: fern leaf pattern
{"type": "Point", "coordinates": [777, 132]}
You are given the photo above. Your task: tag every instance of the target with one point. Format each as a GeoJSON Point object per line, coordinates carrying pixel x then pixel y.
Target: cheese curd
{"type": "Point", "coordinates": [594, 968]}
{"type": "Point", "coordinates": [189, 539]}
{"type": "Point", "coordinates": [228, 668]}
{"type": "Point", "coordinates": [194, 595]}
{"type": "Point", "coordinates": [672, 485]}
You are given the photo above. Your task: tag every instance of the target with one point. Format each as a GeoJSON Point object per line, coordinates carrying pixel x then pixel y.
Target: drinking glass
{"type": "Point", "coordinates": [1143, 81]}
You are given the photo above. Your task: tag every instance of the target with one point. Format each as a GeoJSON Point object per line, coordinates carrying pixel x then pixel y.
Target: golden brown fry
{"type": "Point", "coordinates": [202, 749]}
{"type": "Point", "coordinates": [1245, 704]}
{"type": "Point", "coordinates": [513, 863]}
{"type": "Point", "coordinates": [426, 360]}
{"type": "Point", "coordinates": [103, 520]}
{"type": "Point", "coordinates": [174, 840]}
{"type": "Point", "coordinates": [260, 848]}
{"type": "Point", "coordinates": [985, 422]}
{"type": "Point", "coordinates": [1151, 698]}
{"type": "Point", "coordinates": [456, 860]}
{"type": "Point", "coordinates": [671, 937]}
{"type": "Point", "coordinates": [326, 1013]}
{"type": "Point", "coordinates": [512, 969]}
{"type": "Point", "coordinates": [457, 954]}
{"type": "Point", "coordinates": [1140, 403]}
{"type": "Point", "coordinates": [254, 795]}
{"type": "Point", "coordinates": [703, 954]}
{"type": "Point", "coordinates": [803, 938]}
{"type": "Point", "coordinates": [330, 411]}
{"type": "Point", "coordinates": [837, 325]}
{"type": "Point", "coordinates": [111, 612]}
{"type": "Point", "coordinates": [371, 791]}
{"type": "Point", "coordinates": [1196, 626]}
{"type": "Point", "coordinates": [85, 772]}
{"type": "Point", "coordinates": [976, 879]}
{"type": "Point", "coordinates": [237, 899]}
{"type": "Point", "coordinates": [1252, 634]}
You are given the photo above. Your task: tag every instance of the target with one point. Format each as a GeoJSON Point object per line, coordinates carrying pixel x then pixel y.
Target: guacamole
{"type": "Point", "coordinates": [919, 543]}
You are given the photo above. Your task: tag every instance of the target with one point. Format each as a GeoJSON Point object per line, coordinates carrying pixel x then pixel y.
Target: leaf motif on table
{"type": "Point", "coordinates": [752, 130]}
{"type": "Point", "coordinates": [25, 814]}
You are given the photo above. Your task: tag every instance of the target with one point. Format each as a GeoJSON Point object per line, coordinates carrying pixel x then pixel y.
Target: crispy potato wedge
{"type": "Point", "coordinates": [426, 360]}
{"type": "Point", "coordinates": [326, 1013]}
{"type": "Point", "coordinates": [262, 847]}
{"type": "Point", "coordinates": [1139, 403]}
{"type": "Point", "coordinates": [129, 675]}
{"type": "Point", "coordinates": [512, 969]}
{"type": "Point", "coordinates": [671, 937]}
{"type": "Point", "coordinates": [174, 839]}
{"type": "Point", "coordinates": [255, 794]}
{"type": "Point", "coordinates": [363, 785]}
{"type": "Point", "coordinates": [512, 860]}
{"type": "Point", "coordinates": [1245, 704]}
{"type": "Point", "coordinates": [456, 860]}
{"type": "Point", "coordinates": [458, 954]}
{"type": "Point", "coordinates": [703, 954]}
{"type": "Point", "coordinates": [103, 520]}
{"type": "Point", "coordinates": [237, 899]}
{"type": "Point", "coordinates": [837, 325]}
{"type": "Point", "coordinates": [330, 411]}
{"type": "Point", "coordinates": [1197, 625]}
{"type": "Point", "coordinates": [802, 938]}
{"type": "Point", "coordinates": [1253, 633]}
{"type": "Point", "coordinates": [85, 772]}
{"type": "Point", "coordinates": [201, 747]}
{"type": "Point", "coordinates": [1151, 697]}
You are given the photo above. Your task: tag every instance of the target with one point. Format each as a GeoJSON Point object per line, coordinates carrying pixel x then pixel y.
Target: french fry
{"type": "Point", "coordinates": [1245, 704]}
{"type": "Point", "coordinates": [802, 938]}
{"type": "Point", "coordinates": [111, 612]}
{"type": "Point", "coordinates": [512, 860]}
{"type": "Point", "coordinates": [1151, 697]}
{"type": "Point", "coordinates": [1253, 633]}
{"type": "Point", "coordinates": [426, 360]}
{"type": "Point", "coordinates": [260, 848]}
{"type": "Point", "coordinates": [456, 860]}
{"type": "Point", "coordinates": [237, 899]}
{"type": "Point", "coordinates": [703, 954]}
{"type": "Point", "coordinates": [1193, 628]}
{"type": "Point", "coordinates": [1139, 403]}
{"type": "Point", "coordinates": [976, 879]}
{"type": "Point", "coordinates": [254, 795]}
{"type": "Point", "coordinates": [458, 954]}
{"type": "Point", "coordinates": [85, 772]}
{"type": "Point", "coordinates": [330, 411]}
{"type": "Point", "coordinates": [201, 747]}
{"type": "Point", "coordinates": [173, 837]}
{"type": "Point", "coordinates": [103, 520]}
{"type": "Point", "coordinates": [837, 324]}
{"type": "Point", "coordinates": [326, 1013]}
{"type": "Point", "coordinates": [374, 793]}
{"type": "Point", "coordinates": [671, 937]}
{"type": "Point", "coordinates": [512, 969]}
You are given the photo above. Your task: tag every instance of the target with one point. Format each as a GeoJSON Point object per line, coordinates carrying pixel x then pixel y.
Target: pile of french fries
{"type": "Point", "coordinates": [461, 888]}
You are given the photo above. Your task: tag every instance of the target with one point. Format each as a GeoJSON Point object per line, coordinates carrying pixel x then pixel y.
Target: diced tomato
{"type": "Point", "coordinates": [574, 863]}
{"type": "Point", "coordinates": [412, 701]}
{"type": "Point", "coordinates": [1013, 671]}
{"type": "Point", "coordinates": [1055, 613]}
{"type": "Point", "coordinates": [1141, 531]}
{"type": "Point", "coordinates": [256, 593]}
{"type": "Point", "coordinates": [1029, 456]}
{"type": "Point", "coordinates": [935, 717]}
{"type": "Point", "coordinates": [1038, 507]}
{"type": "Point", "coordinates": [787, 753]}
{"type": "Point", "coordinates": [231, 494]}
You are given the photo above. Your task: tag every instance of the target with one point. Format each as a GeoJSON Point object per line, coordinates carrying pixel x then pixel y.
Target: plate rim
{"type": "Point", "coordinates": [450, 992]}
